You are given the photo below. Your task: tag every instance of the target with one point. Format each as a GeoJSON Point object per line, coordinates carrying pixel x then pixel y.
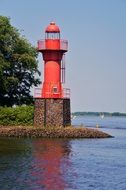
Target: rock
{"type": "Point", "coordinates": [52, 132]}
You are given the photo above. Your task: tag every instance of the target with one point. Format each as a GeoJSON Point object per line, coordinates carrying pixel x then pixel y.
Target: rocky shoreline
{"type": "Point", "coordinates": [52, 132]}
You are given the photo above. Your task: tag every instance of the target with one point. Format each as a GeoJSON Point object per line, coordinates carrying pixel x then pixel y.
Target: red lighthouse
{"type": "Point", "coordinates": [53, 50]}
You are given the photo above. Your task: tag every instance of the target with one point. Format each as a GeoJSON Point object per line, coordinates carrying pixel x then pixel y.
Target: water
{"type": "Point", "coordinates": [59, 164]}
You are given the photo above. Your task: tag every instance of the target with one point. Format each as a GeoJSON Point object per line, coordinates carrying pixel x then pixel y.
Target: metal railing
{"type": "Point", "coordinates": [63, 45]}
{"type": "Point", "coordinates": [66, 93]}
{"type": "Point", "coordinates": [38, 93]}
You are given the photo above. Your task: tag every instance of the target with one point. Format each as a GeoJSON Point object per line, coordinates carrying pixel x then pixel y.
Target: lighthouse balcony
{"type": "Point", "coordinates": [52, 44]}
{"type": "Point", "coordinates": [65, 93]}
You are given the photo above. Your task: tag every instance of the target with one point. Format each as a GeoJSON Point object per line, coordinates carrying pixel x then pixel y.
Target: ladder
{"type": "Point", "coordinates": [63, 69]}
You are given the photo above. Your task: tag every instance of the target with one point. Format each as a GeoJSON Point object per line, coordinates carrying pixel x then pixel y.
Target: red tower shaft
{"type": "Point", "coordinates": [52, 49]}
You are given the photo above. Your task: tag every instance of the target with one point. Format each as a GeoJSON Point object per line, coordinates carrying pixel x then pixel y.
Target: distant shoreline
{"type": "Point", "coordinates": [106, 114]}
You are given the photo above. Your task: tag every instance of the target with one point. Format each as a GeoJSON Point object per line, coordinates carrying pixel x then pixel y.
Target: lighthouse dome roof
{"type": "Point", "coordinates": [52, 27]}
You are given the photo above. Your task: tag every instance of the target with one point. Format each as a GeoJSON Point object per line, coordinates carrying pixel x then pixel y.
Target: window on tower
{"type": "Point", "coordinates": [52, 35]}
{"type": "Point", "coordinates": [55, 90]}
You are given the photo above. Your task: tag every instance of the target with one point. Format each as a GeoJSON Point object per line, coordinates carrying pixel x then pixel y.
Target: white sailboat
{"type": "Point", "coordinates": [102, 115]}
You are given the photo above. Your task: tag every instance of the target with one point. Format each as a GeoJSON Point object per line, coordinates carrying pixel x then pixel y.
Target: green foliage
{"type": "Point", "coordinates": [20, 115]}
{"type": "Point", "coordinates": [18, 66]}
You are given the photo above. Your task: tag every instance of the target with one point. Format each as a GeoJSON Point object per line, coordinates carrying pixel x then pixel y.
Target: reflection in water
{"type": "Point", "coordinates": [51, 164]}
{"type": "Point", "coordinates": [35, 164]}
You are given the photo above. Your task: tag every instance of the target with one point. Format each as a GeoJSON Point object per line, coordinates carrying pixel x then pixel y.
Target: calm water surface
{"type": "Point", "coordinates": [59, 164]}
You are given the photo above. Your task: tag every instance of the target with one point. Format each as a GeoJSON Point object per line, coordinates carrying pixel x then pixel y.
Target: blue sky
{"type": "Point", "coordinates": [96, 60]}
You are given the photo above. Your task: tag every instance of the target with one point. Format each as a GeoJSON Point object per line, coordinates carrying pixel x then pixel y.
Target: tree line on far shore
{"type": "Point", "coordinates": [102, 114]}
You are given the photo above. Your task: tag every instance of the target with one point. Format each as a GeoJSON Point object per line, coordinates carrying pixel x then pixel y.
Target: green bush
{"type": "Point", "coordinates": [20, 115]}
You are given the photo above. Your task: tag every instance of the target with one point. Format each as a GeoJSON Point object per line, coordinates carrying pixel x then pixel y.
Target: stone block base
{"type": "Point", "coordinates": [52, 112]}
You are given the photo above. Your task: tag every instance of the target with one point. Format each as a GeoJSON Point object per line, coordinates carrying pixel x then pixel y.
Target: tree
{"type": "Point", "coordinates": [18, 66]}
